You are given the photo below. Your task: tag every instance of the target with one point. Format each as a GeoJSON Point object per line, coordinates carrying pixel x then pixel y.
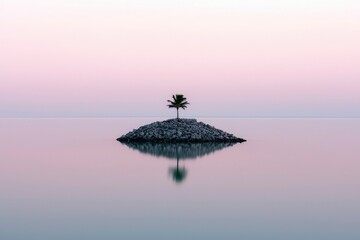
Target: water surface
{"type": "Point", "coordinates": [70, 179]}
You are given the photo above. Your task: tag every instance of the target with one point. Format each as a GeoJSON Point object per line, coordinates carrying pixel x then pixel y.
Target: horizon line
{"type": "Point", "coordinates": [170, 117]}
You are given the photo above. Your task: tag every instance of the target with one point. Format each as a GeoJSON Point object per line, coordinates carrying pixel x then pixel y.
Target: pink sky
{"type": "Point", "coordinates": [117, 58]}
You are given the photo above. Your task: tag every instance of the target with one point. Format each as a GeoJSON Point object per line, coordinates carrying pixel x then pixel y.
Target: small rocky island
{"type": "Point", "coordinates": [179, 131]}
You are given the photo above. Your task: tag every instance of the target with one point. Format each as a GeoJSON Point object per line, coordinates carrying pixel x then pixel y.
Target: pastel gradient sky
{"type": "Point", "coordinates": [275, 58]}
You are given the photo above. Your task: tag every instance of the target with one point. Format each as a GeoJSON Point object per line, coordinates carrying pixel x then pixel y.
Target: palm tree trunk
{"type": "Point", "coordinates": [177, 113]}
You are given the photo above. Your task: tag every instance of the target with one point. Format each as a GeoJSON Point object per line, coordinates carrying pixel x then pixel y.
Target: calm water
{"type": "Point", "coordinates": [69, 179]}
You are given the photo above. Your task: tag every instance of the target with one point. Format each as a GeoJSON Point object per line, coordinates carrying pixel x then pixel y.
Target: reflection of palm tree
{"type": "Point", "coordinates": [179, 101]}
{"type": "Point", "coordinates": [178, 151]}
{"type": "Point", "coordinates": [178, 174]}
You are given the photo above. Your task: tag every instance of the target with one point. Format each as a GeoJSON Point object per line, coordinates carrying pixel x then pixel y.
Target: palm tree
{"type": "Point", "coordinates": [179, 101]}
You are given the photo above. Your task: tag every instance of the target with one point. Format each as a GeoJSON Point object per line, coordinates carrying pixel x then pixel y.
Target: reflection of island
{"type": "Point", "coordinates": [178, 151]}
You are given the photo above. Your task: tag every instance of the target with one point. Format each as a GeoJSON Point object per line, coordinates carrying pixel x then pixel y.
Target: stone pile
{"type": "Point", "coordinates": [178, 131]}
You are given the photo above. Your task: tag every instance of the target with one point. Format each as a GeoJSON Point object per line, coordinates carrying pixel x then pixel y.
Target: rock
{"type": "Point", "coordinates": [178, 131]}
